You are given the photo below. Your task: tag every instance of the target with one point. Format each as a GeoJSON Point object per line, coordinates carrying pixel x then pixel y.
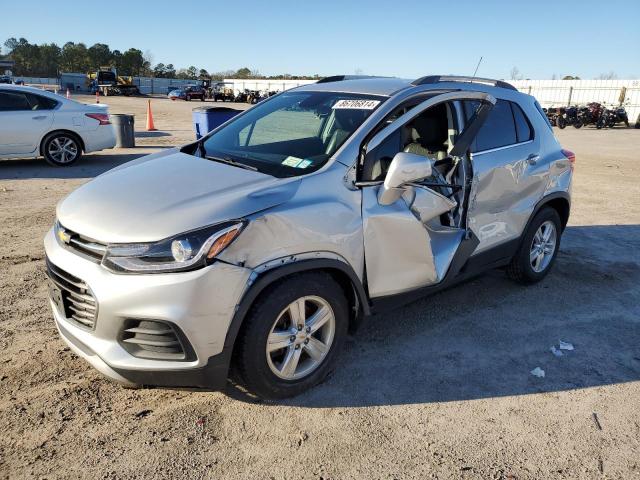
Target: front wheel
{"type": "Point", "coordinates": [292, 336]}
{"type": "Point", "coordinates": [539, 248]}
{"type": "Point", "coordinates": [61, 149]}
{"type": "Point", "coordinates": [561, 122]}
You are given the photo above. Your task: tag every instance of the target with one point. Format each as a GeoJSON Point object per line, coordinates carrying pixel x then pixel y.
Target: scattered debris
{"type": "Point", "coordinates": [304, 436]}
{"type": "Point", "coordinates": [565, 345]}
{"type": "Point", "coordinates": [600, 465]}
{"type": "Point", "coordinates": [200, 422]}
{"type": "Point", "coordinates": [537, 372]}
{"type": "Point", "coordinates": [143, 413]}
{"type": "Point", "coordinates": [556, 352]}
{"type": "Point", "coordinates": [596, 420]}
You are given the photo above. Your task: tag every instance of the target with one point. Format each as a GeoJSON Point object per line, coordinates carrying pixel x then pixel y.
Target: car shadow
{"type": "Point", "coordinates": [89, 166]}
{"type": "Point", "coordinates": [151, 134]}
{"type": "Point", "coordinates": [482, 338]}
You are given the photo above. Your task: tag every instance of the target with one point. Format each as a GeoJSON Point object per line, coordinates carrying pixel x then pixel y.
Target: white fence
{"type": "Point", "coordinates": [556, 93]}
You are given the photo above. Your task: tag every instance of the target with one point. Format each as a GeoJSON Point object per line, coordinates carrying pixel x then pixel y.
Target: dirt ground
{"type": "Point", "coordinates": [438, 389]}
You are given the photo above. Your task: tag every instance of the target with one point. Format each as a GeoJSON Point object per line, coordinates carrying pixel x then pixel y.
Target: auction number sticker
{"type": "Point", "coordinates": [357, 104]}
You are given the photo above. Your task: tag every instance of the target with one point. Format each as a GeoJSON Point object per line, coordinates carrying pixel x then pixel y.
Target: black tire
{"type": "Point", "coordinates": [561, 122]}
{"type": "Point", "coordinates": [577, 124]}
{"type": "Point", "coordinates": [251, 367]}
{"type": "Point", "coordinates": [51, 144]}
{"type": "Point", "coordinates": [520, 268]}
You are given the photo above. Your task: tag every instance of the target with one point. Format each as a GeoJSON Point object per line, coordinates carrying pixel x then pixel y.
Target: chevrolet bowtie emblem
{"type": "Point", "coordinates": [63, 236]}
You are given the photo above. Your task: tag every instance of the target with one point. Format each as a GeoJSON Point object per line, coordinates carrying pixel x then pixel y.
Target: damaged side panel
{"type": "Point", "coordinates": [506, 188]}
{"type": "Point", "coordinates": [318, 220]}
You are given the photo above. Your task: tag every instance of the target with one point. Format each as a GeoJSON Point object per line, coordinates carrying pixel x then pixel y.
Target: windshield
{"type": "Point", "coordinates": [292, 134]}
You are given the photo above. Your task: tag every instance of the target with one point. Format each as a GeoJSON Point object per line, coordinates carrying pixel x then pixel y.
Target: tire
{"type": "Point", "coordinates": [58, 149]}
{"type": "Point", "coordinates": [202, 99]}
{"type": "Point", "coordinates": [265, 374]}
{"type": "Point", "coordinates": [522, 269]}
{"type": "Point", "coordinates": [577, 124]}
{"type": "Point", "coordinates": [561, 122]}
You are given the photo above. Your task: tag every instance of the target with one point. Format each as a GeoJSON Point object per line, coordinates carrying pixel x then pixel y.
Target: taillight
{"type": "Point", "coordinates": [102, 118]}
{"type": "Point", "coordinates": [570, 156]}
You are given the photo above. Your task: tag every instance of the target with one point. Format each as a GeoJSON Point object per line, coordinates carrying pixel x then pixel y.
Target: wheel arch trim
{"type": "Point", "coordinates": [261, 279]}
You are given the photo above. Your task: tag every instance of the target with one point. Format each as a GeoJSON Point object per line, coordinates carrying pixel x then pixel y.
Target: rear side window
{"type": "Point", "coordinates": [506, 125]}
{"type": "Point", "coordinates": [13, 101]}
{"type": "Point", "coordinates": [499, 129]}
{"type": "Point", "coordinates": [39, 102]}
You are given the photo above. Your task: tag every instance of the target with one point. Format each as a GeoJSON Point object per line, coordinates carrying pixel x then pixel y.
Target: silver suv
{"type": "Point", "coordinates": [254, 251]}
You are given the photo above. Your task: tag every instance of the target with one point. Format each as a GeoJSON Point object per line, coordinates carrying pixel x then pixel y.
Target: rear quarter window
{"type": "Point", "coordinates": [39, 102]}
{"type": "Point", "coordinates": [523, 127]}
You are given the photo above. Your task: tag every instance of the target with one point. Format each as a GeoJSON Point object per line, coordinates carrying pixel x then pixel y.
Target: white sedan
{"type": "Point", "coordinates": [35, 123]}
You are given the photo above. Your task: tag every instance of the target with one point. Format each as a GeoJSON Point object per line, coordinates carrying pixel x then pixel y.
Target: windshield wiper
{"type": "Point", "coordinates": [233, 163]}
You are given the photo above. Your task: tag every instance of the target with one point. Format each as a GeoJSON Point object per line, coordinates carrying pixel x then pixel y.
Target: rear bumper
{"type": "Point", "coordinates": [103, 137]}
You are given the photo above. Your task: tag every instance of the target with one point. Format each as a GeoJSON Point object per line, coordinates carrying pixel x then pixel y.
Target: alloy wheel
{"type": "Point", "coordinates": [62, 149]}
{"type": "Point", "coordinates": [543, 246]}
{"type": "Point", "coordinates": [300, 338]}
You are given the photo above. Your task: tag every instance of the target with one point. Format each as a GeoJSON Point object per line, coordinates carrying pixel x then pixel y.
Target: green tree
{"type": "Point", "coordinates": [74, 58]}
{"type": "Point", "coordinates": [99, 55]}
{"type": "Point", "coordinates": [243, 73]}
{"type": "Point", "coordinates": [132, 62]}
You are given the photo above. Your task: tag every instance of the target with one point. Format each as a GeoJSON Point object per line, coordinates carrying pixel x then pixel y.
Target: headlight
{"type": "Point", "coordinates": [186, 251]}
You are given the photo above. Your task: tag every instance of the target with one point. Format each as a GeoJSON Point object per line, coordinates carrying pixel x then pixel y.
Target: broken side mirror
{"type": "Point", "coordinates": [405, 168]}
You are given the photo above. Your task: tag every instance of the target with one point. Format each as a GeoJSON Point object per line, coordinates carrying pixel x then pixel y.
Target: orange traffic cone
{"type": "Point", "coordinates": [150, 126]}
{"type": "Point", "coordinates": [97, 96]}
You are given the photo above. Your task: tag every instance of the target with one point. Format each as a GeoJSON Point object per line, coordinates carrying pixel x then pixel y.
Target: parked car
{"type": "Point", "coordinates": [5, 79]}
{"type": "Point", "coordinates": [35, 123]}
{"type": "Point", "coordinates": [261, 245]}
{"type": "Point", "coordinates": [189, 92]}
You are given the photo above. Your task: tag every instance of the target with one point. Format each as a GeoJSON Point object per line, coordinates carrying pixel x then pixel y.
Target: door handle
{"type": "Point", "coordinates": [39, 117]}
{"type": "Point", "coordinates": [533, 159]}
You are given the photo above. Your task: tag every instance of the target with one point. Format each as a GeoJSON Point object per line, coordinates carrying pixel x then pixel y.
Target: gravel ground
{"type": "Point", "coordinates": [438, 389]}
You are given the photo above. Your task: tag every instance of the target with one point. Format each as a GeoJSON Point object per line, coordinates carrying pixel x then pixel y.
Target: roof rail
{"type": "Point", "coordinates": [450, 78]}
{"type": "Point", "coordinates": [340, 78]}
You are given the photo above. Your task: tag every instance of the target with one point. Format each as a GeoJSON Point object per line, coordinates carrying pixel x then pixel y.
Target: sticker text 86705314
{"type": "Point", "coordinates": [357, 104]}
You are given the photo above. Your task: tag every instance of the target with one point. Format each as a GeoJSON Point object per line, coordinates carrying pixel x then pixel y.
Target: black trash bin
{"type": "Point", "coordinates": [123, 126]}
{"type": "Point", "coordinates": [206, 119]}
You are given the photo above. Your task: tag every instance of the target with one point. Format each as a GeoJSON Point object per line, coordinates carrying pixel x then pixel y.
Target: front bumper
{"type": "Point", "coordinates": [200, 303]}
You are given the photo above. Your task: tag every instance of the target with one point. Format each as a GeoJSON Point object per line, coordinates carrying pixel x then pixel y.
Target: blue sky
{"type": "Point", "coordinates": [399, 38]}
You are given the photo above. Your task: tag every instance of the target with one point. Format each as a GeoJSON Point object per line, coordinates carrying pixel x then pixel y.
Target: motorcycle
{"type": "Point", "coordinates": [620, 115]}
{"type": "Point", "coordinates": [591, 113]}
{"type": "Point", "coordinates": [569, 116]}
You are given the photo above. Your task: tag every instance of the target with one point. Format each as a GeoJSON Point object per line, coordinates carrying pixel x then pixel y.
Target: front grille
{"type": "Point", "coordinates": [84, 246]}
{"type": "Point", "coordinates": [155, 339]}
{"type": "Point", "coordinates": [78, 303]}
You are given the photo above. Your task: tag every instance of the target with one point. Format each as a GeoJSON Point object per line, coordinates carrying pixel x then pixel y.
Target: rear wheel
{"type": "Point", "coordinates": [292, 336]}
{"type": "Point", "coordinates": [61, 149]}
{"type": "Point", "coordinates": [539, 248]}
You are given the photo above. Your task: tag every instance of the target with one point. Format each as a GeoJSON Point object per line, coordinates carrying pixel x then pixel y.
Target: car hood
{"type": "Point", "coordinates": [165, 194]}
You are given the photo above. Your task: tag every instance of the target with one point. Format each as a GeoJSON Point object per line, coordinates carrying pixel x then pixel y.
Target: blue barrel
{"type": "Point", "coordinates": [206, 119]}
